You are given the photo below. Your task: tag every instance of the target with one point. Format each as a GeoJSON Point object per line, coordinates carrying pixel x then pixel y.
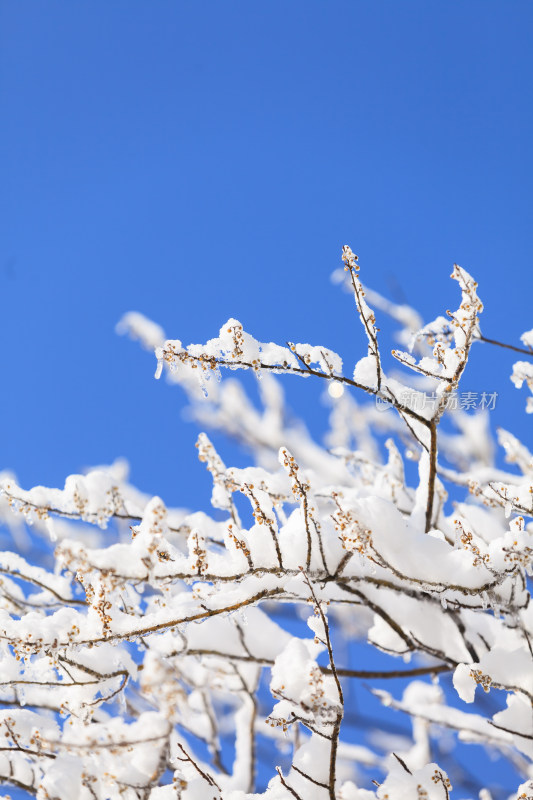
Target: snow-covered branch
{"type": "Point", "coordinates": [201, 655]}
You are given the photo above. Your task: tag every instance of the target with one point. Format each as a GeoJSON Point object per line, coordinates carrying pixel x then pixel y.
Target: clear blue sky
{"type": "Point", "coordinates": [200, 160]}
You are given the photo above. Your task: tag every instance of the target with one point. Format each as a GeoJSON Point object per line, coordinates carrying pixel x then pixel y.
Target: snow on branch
{"type": "Point", "coordinates": [225, 654]}
{"type": "Point", "coordinates": [523, 373]}
{"type": "Point", "coordinates": [234, 348]}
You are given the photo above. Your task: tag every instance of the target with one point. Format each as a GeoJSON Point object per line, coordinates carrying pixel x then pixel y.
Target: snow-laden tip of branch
{"type": "Point", "coordinates": [408, 317]}
{"type": "Point", "coordinates": [523, 373]}
{"type": "Point", "coordinates": [351, 262]}
{"type": "Point", "coordinates": [368, 319]}
{"type": "Point", "coordinates": [139, 327]}
{"type": "Point", "coordinates": [527, 339]}
{"type": "Point", "coordinates": [516, 452]}
{"type": "Point", "coordinates": [450, 337]}
{"type": "Point", "coordinates": [95, 497]}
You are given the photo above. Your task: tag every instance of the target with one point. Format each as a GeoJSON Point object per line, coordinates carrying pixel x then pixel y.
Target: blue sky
{"type": "Point", "coordinates": [201, 160]}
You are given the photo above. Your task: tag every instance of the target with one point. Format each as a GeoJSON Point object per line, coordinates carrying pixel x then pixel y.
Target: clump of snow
{"type": "Point", "coordinates": [527, 338]}
{"type": "Point", "coordinates": [137, 326]}
{"type": "Point", "coordinates": [523, 373]}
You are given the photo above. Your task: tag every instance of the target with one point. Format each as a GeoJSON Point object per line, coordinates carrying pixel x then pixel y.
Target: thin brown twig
{"type": "Point", "coordinates": [522, 350]}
